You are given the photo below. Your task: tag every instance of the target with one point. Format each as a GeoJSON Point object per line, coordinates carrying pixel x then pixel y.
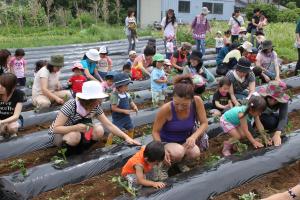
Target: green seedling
{"type": "Point", "coordinates": [19, 164]}
{"type": "Point", "coordinates": [289, 127]}
{"type": "Point", "coordinates": [66, 98]}
{"type": "Point", "coordinates": [290, 93]}
{"type": "Point", "coordinates": [124, 184]}
{"type": "Point", "coordinates": [258, 81]}
{"type": "Point", "coordinates": [117, 140]}
{"type": "Point", "coordinates": [29, 83]}
{"type": "Point", "coordinates": [265, 137]}
{"type": "Point", "coordinates": [240, 147]}
{"type": "Point", "coordinates": [61, 159]}
{"type": "Point", "coordinates": [206, 96]}
{"type": "Point", "coordinates": [132, 95]}
{"type": "Point", "coordinates": [211, 160]}
{"type": "Point", "coordinates": [216, 119]}
{"type": "Point", "coordinates": [249, 196]}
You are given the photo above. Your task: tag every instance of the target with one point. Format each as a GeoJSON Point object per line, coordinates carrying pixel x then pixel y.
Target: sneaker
{"type": "Point", "coordinates": [227, 148]}
{"type": "Point", "coordinates": [160, 172]}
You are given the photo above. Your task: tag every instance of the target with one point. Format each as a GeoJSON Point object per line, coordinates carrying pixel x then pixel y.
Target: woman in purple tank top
{"type": "Point", "coordinates": [175, 122]}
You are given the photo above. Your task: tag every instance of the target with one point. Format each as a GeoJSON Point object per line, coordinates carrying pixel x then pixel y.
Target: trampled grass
{"type": "Point", "coordinates": [282, 35]}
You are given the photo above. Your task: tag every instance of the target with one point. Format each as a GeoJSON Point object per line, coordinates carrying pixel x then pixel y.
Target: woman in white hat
{"type": "Point", "coordinates": [199, 28]}
{"type": "Point", "coordinates": [89, 63]}
{"type": "Point", "coordinates": [73, 127]}
{"type": "Point", "coordinates": [232, 58]}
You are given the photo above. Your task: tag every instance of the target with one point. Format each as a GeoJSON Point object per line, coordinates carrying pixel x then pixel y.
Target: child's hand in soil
{"type": "Point", "coordinates": [257, 144]}
{"type": "Point", "coordinates": [158, 185]}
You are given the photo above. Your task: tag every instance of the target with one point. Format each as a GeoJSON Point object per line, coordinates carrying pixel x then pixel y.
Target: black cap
{"type": "Point", "coordinates": [243, 65]}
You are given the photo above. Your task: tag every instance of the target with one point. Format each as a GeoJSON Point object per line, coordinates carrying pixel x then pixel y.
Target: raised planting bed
{"type": "Point", "coordinates": [101, 187]}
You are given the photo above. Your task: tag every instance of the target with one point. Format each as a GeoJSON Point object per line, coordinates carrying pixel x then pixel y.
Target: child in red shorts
{"type": "Point", "coordinates": [77, 80]}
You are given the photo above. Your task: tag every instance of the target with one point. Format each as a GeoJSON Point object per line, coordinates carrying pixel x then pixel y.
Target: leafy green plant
{"type": "Point", "coordinates": [249, 196]}
{"type": "Point", "coordinates": [60, 160]}
{"type": "Point", "coordinates": [124, 184]}
{"type": "Point", "coordinates": [239, 147]}
{"type": "Point", "coordinates": [212, 159]}
{"type": "Point", "coordinates": [66, 98]}
{"type": "Point", "coordinates": [265, 137]}
{"type": "Point", "coordinates": [117, 140]}
{"type": "Point", "coordinates": [289, 127]}
{"type": "Point", "coordinates": [19, 164]}
{"type": "Point", "coordinates": [258, 81]}
{"type": "Point", "coordinates": [216, 119]}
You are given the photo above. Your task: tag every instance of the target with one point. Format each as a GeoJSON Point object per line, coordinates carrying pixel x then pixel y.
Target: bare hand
{"type": "Point", "coordinates": [132, 141]}
{"type": "Point", "coordinates": [81, 128]}
{"type": "Point", "coordinates": [127, 112]}
{"type": "Point", "coordinates": [276, 139]}
{"type": "Point", "coordinates": [257, 144]}
{"type": "Point", "coordinates": [59, 101]}
{"type": "Point", "coordinates": [136, 109]}
{"type": "Point", "coordinates": [277, 78]}
{"type": "Point", "coordinates": [158, 185]}
{"type": "Point", "coordinates": [190, 143]}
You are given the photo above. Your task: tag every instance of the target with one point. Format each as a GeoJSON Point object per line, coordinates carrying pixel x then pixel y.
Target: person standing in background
{"type": "Point", "coordinates": [298, 47]}
{"type": "Point", "coordinates": [235, 22]}
{"type": "Point", "coordinates": [169, 29]}
{"type": "Point", "coordinates": [130, 36]}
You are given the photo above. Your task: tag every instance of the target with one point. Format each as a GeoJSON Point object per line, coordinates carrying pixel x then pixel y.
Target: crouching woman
{"type": "Point", "coordinates": [73, 127]}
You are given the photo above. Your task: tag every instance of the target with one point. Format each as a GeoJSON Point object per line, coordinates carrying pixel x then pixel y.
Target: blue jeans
{"type": "Point", "coordinates": [200, 46]}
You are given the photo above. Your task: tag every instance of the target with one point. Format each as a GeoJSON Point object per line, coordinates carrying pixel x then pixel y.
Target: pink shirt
{"type": "Point", "coordinates": [104, 63]}
{"type": "Point", "coordinates": [18, 67]}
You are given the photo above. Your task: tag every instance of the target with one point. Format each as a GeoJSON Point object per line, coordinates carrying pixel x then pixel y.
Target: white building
{"type": "Point", "coordinates": [149, 11]}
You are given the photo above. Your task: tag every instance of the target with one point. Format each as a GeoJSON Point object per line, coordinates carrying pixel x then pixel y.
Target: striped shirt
{"type": "Point", "coordinates": [239, 87]}
{"type": "Point", "coordinates": [69, 110]}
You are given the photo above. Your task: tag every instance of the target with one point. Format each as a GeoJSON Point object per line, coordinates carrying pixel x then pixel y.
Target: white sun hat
{"type": "Point", "coordinates": [92, 90]}
{"type": "Point", "coordinates": [103, 49]}
{"type": "Point", "coordinates": [247, 46]}
{"type": "Point", "coordinates": [205, 11]}
{"type": "Point", "coordinates": [93, 54]}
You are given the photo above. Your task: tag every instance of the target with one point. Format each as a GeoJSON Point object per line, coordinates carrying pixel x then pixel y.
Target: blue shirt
{"type": "Point", "coordinates": [157, 74]}
{"type": "Point", "coordinates": [232, 115]}
{"type": "Point", "coordinates": [90, 66]}
{"type": "Point", "coordinates": [221, 55]}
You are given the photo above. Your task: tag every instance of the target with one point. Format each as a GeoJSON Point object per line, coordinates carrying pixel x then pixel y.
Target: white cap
{"type": "Point", "coordinates": [93, 54]}
{"type": "Point", "coordinates": [131, 53]}
{"type": "Point", "coordinates": [205, 11]}
{"type": "Point", "coordinates": [247, 46]}
{"type": "Point", "coordinates": [167, 62]}
{"type": "Point", "coordinates": [103, 49]}
{"type": "Point", "coordinates": [92, 90]}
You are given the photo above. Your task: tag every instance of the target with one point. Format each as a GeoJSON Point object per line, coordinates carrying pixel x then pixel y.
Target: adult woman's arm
{"type": "Point", "coordinates": [60, 128]}
{"type": "Point", "coordinates": [88, 75]}
{"type": "Point", "coordinates": [97, 75]}
{"type": "Point", "coordinates": [251, 88]}
{"type": "Point", "coordinates": [201, 116]}
{"type": "Point", "coordinates": [48, 93]}
{"type": "Point", "coordinates": [160, 120]}
{"type": "Point", "coordinates": [233, 98]}
{"type": "Point", "coordinates": [286, 195]}
{"type": "Point", "coordinates": [282, 121]}
{"type": "Point", "coordinates": [15, 116]}
{"type": "Point", "coordinates": [174, 61]}
{"type": "Point", "coordinates": [115, 130]}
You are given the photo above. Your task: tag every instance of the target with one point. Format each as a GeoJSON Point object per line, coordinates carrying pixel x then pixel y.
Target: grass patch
{"type": "Point", "coordinates": [282, 35]}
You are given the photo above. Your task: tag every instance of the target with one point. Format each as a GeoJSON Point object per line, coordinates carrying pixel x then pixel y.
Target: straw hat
{"type": "Point", "coordinates": [57, 60]}
{"type": "Point", "coordinates": [92, 90]}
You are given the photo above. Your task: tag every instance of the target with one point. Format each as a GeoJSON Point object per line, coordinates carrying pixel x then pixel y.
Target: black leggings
{"type": "Point", "coordinates": [270, 121]}
{"type": "Point", "coordinates": [298, 63]}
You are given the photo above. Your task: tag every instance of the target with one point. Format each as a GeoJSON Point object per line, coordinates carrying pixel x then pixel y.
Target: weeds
{"type": "Point", "coordinates": [289, 127]}
{"type": "Point", "coordinates": [19, 164]}
{"type": "Point", "coordinates": [265, 137]}
{"type": "Point", "coordinates": [61, 159]}
{"type": "Point", "coordinates": [249, 196]}
{"type": "Point", "coordinates": [124, 184]}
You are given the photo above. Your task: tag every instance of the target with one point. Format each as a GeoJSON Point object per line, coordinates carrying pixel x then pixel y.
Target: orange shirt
{"type": "Point", "coordinates": [137, 159]}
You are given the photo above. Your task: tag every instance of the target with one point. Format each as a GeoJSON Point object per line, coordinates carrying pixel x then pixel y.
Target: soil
{"type": "Point", "coordinates": [44, 156]}
{"type": "Point", "coordinates": [101, 187]}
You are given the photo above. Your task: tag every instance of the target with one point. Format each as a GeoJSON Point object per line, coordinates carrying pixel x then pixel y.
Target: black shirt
{"type": "Point", "coordinates": [256, 20]}
{"type": "Point", "coordinates": [7, 109]}
{"type": "Point", "coordinates": [223, 100]}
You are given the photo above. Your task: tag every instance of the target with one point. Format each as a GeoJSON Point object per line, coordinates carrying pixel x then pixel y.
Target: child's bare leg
{"type": "Point", "coordinates": [227, 146]}
{"type": "Point", "coordinates": [235, 134]}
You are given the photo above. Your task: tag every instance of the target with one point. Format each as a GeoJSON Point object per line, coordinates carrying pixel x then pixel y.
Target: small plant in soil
{"type": "Point", "coordinates": [205, 96]}
{"type": "Point", "coordinates": [19, 164]}
{"type": "Point", "coordinates": [249, 196]}
{"type": "Point", "coordinates": [132, 95]}
{"type": "Point", "coordinates": [258, 81]}
{"type": "Point", "coordinates": [265, 137]}
{"type": "Point", "coordinates": [216, 119]}
{"type": "Point", "coordinates": [124, 184]}
{"type": "Point", "coordinates": [60, 160]}
{"type": "Point", "coordinates": [289, 127]}
{"type": "Point", "coordinates": [212, 159]}
{"type": "Point", "coordinates": [117, 140]}
{"type": "Point", "coordinates": [66, 98]}
{"type": "Point", "coordinates": [239, 147]}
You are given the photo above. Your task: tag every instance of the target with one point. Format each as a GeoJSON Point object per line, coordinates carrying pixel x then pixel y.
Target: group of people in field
{"type": "Point", "coordinates": [179, 129]}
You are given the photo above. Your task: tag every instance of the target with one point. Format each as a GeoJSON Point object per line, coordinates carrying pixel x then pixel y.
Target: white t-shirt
{"type": "Point", "coordinates": [170, 47]}
{"type": "Point", "coordinates": [219, 42]}
{"type": "Point", "coordinates": [53, 81]}
{"type": "Point", "coordinates": [235, 28]}
{"type": "Point", "coordinates": [169, 31]}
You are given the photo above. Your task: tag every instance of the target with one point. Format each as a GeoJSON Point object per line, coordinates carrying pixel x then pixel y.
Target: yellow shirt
{"type": "Point", "coordinates": [232, 54]}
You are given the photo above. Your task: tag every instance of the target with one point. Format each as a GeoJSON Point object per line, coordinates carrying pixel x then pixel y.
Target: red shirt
{"type": "Point", "coordinates": [77, 82]}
